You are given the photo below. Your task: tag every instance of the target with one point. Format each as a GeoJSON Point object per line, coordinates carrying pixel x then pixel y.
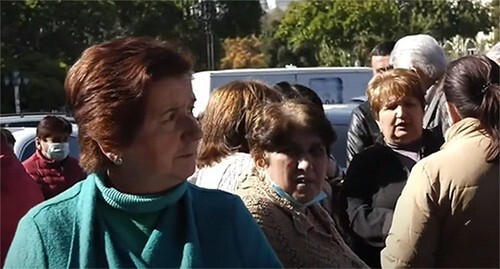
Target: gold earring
{"type": "Point", "coordinates": [118, 161]}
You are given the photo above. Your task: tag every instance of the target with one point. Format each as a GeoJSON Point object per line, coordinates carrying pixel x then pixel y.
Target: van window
{"type": "Point", "coordinates": [328, 89]}
{"type": "Point", "coordinates": [20, 124]}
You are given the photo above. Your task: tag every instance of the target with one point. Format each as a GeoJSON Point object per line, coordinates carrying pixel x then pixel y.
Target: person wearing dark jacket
{"type": "Point", "coordinates": [377, 175]}
{"type": "Point", "coordinates": [363, 130]}
{"type": "Point", "coordinates": [51, 166]}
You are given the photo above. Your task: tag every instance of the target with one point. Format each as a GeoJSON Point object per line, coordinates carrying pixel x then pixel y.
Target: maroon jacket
{"type": "Point", "coordinates": [53, 177]}
{"type": "Point", "coordinates": [18, 195]}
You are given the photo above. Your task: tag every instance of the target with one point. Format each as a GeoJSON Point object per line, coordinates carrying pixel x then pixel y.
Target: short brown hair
{"type": "Point", "coordinates": [277, 121]}
{"type": "Point", "coordinates": [7, 136]}
{"type": "Point", "coordinates": [228, 118]}
{"type": "Point", "coordinates": [107, 89]}
{"type": "Point", "coordinates": [51, 125]}
{"type": "Point", "coordinates": [398, 83]}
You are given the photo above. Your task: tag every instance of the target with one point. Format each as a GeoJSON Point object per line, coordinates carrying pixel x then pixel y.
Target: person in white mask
{"type": "Point", "coordinates": [287, 191]}
{"type": "Point", "coordinates": [51, 166]}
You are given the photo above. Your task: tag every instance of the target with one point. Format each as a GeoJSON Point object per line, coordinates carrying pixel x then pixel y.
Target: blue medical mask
{"type": "Point", "coordinates": [283, 194]}
{"type": "Point", "coordinates": [57, 151]}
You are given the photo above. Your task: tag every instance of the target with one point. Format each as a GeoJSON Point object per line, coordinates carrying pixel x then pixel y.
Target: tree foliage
{"type": "Point", "coordinates": [241, 18]}
{"type": "Point", "coordinates": [341, 32]}
{"type": "Point", "coordinates": [242, 52]}
{"type": "Point", "coordinates": [43, 38]}
{"type": "Point", "coordinates": [279, 52]}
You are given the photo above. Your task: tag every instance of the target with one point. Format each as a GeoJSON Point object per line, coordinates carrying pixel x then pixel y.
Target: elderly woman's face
{"type": "Point", "coordinates": [165, 146]}
{"type": "Point", "coordinates": [300, 168]}
{"type": "Point", "coordinates": [401, 121]}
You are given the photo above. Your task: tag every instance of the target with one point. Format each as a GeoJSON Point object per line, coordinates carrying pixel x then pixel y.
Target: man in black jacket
{"type": "Point", "coordinates": [363, 130]}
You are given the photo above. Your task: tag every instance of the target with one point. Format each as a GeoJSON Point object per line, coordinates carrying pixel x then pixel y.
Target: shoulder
{"type": "Point", "coordinates": [71, 161]}
{"type": "Point", "coordinates": [212, 176]}
{"type": "Point", "coordinates": [219, 208]}
{"type": "Point", "coordinates": [432, 140]}
{"type": "Point", "coordinates": [74, 165]}
{"type": "Point", "coordinates": [213, 198]}
{"type": "Point", "coordinates": [361, 111]}
{"type": "Point", "coordinates": [61, 208]}
{"type": "Point", "coordinates": [30, 162]}
{"type": "Point", "coordinates": [365, 108]}
{"type": "Point", "coordinates": [373, 155]}
{"type": "Point", "coordinates": [257, 200]}
{"type": "Point", "coordinates": [371, 168]}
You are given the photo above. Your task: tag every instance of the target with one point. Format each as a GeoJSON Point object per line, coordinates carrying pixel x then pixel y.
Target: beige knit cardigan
{"type": "Point", "coordinates": [302, 238]}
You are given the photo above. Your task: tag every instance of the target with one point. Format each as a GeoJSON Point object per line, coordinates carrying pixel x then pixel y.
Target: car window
{"type": "Point", "coordinates": [27, 150]}
{"type": "Point", "coordinates": [328, 89]}
{"type": "Point", "coordinates": [20, 124]}
{"type": "Point", "coordinates": [74, 147]}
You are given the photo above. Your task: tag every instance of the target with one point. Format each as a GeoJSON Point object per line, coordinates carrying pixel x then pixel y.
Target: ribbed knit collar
{"type": "Point", "coordinates": [139, 203]}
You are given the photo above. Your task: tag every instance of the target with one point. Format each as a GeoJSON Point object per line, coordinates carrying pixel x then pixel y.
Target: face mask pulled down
{"type": "Point", "coordinates": [57, 151]}
{"type": "Point", "coordinates": [283, 194]}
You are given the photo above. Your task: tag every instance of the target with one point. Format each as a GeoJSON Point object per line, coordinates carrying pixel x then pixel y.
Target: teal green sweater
{"type": "Point", "coordinates": [187, 227]}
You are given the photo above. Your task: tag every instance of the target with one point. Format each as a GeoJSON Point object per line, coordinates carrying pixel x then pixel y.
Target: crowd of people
{"type": "Point", "coordinates": [252, 182]}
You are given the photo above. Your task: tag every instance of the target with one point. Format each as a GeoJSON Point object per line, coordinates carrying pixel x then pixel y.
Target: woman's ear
{"type": "Point", "coordinates": [453, 114]}
{"type": "Point", "coordinates": [109, 153]}
{"type": "Point", "coordinates": [260, 162]}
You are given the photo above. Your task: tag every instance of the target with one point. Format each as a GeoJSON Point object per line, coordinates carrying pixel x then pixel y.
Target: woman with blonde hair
{"type": "Point", "coordinates": [223, 155]}
{"type": "Point", "coordinates": [448, 213]}
{"type": "Point", "coordinates": [377, 175]}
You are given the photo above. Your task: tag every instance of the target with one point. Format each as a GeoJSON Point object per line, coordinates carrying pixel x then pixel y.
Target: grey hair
{"type": "Point", "coordinates": [494, 53]}
{"type": "Point", "coordinates": [422, 52]}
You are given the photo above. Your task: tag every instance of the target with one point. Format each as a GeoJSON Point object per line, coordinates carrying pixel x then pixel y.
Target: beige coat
{"type": "Point", "coordinates": [448, 212]}
{"type": "Point", "coordinates": [302, 238]}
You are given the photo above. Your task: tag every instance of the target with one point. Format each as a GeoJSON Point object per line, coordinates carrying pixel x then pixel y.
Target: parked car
{"type": "Point", "coordinates": [25, 142]}
{"type": "Point", "coordinates": [28, 119]}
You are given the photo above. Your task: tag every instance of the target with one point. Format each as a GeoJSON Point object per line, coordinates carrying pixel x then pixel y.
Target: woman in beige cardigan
{"type": "Point", "coordinates": [448, 213]}
{"type": "Point", "coordinates": [286, 195]}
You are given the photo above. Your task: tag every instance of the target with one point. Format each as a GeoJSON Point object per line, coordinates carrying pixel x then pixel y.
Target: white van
{"type": "Point", "coordinates": [334, 85]}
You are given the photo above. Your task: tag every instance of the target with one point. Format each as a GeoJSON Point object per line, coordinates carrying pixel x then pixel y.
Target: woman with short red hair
{"type": "Point", "coordinates": [132, 100]}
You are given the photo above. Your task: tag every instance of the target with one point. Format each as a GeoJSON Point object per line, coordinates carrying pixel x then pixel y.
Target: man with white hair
{"type": "Point", "coordinates": [426, 57]}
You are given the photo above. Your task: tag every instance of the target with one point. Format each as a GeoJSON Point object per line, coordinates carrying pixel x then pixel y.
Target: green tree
{"type": "Point", "coordinates": [341, 30]}
{"type": "Point", "coordinates": [444, 19]}
{"type": "Point", "coordinates": [242, 52]}
{"type": "Point", "coordinates": [43, 38]}
{"type": "Point", "coordinates": [241, 18]}
{"type": "Point", "coordinates": [344, 31]}
{"type": "Point", "coordinates": [278, 51]}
